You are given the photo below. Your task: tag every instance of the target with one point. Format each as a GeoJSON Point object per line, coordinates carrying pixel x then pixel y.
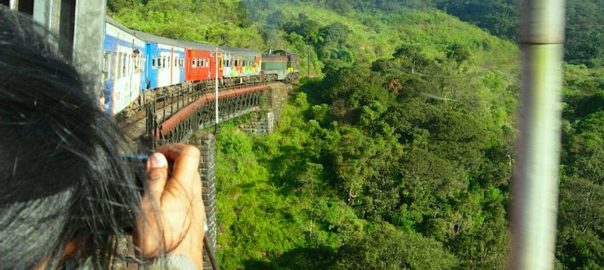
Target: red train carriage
{"type": "Point", "coordinates": [200, 62]}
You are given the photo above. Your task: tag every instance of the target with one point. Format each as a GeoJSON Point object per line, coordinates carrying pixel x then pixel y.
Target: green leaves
{"type": "Point", "coordinates": [388, 248]}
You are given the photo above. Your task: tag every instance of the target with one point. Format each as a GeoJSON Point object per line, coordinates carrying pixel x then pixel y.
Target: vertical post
{"type": "Point", "coordinates": [88, 39]}
{"type": "Point", "coordinates": [216, 93]}
{"type": "Point", "coordinates": [535, 185]}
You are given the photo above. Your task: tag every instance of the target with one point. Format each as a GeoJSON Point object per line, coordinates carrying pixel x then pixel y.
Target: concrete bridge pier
{"type": "Point", "coordinates": [261, 122]}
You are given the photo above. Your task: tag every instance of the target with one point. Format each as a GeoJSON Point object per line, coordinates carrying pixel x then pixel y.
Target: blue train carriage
{"type": "Point", "coordinates": [241, 65]}
{"type": "Point", "coordinates": [123, 67]}
{"type": "Point", "coordinates": [165, 61]}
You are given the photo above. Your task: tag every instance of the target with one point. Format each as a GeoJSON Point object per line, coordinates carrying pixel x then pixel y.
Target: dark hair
{"type": "Point", "coordinates": [61, 176]}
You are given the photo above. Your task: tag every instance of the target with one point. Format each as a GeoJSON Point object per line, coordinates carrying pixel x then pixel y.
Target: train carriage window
{"type": "Point", "coordinates": [163, 61]}
{"type": "Point", "coordinates": [119, 66]}
{"type": "Point", "coordinates": [193, 63]}
{"type": "Point", "coordinates": [124, 64]}
{"type": "Point", "coordinates": [106, 65]}
{"type": "Point", "coordinates": [113, 63]}
{"type": "Point", "coordinates": [154, 62]}
{"type": "Point", "coordinates": [182, 62]}
{"type": "Point", "coordinates": [236, 62]}
{"type": "Point", "coordinates": [134, 60]}
{"type": "Point", "coordinates": [120, 72]}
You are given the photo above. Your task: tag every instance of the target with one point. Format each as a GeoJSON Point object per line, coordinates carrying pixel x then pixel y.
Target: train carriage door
{"type": "Point", "coordinates": [220, 64]}
{"type": "Point", "coordinates": [107, 66]}
{"type": "Point", "coordinates": [171, 67]}
{"type": "Point", "coordinates": [188, 74]}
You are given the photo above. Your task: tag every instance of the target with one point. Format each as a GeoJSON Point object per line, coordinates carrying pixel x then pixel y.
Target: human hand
{"type": "Point", "coordinates": [172, 211]}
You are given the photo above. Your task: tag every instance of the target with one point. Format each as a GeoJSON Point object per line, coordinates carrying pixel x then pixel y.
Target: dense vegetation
{"type": "Point", "coordinates": [584, 20]}
{"type": "Point", "coordinates": [397, 153]}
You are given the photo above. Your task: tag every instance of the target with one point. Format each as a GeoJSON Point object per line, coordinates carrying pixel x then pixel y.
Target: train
{"type": "Point", "coordinates": [136, 62]}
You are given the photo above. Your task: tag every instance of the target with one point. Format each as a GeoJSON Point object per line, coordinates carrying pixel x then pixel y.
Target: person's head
{"type": "Point", "coordinates": [61, 176]}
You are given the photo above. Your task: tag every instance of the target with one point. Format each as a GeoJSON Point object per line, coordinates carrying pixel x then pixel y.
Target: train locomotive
{"type": "Point", "coordinates": [135, 62]}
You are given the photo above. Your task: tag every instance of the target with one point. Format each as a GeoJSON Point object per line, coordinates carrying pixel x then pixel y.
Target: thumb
{"type": "Point", "coordinates": [157, 170]}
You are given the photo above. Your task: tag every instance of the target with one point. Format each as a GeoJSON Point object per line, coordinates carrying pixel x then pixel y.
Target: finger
{"type": "Point", "coordinates": [157, 170]}
{"type": "Point", "coordinates": [186, 163]}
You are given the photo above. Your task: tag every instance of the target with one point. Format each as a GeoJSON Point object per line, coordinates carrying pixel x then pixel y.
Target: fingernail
{"type": "Point", "coordinates": [158, 160]}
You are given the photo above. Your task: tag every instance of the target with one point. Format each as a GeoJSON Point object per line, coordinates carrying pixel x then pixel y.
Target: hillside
{"type": "Point", "coordinates": [396, 152]}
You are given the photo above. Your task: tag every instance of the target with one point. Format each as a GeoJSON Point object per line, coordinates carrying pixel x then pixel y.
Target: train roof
{"type": "Point", "coordinates": [278, 53]}
{"type": "Point", "coordinates": [178, 43]}
{"type": "Point", "coordinates": [118, 25]}
{"type": "Point", "coordinates": [199, 46]}
{"type": "Point", "coordinates": [240, 50]}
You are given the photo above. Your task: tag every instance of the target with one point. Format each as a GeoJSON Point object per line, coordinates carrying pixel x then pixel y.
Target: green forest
{"type": "Point", "coordinates": [396, 149]}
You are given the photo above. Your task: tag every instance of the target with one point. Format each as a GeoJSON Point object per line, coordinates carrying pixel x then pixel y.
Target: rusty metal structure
{"type": "Point", "coordinates": [175, 116]}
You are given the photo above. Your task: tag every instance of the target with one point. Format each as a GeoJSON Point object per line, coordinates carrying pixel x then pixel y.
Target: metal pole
{"type": "Point", "coordinates": [535, 185]}
{"type": "Point", "coordinates": [216, 93]}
